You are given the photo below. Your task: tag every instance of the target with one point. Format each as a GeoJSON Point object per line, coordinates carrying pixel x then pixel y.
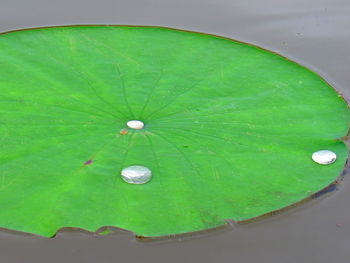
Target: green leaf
{"type": "Point", "coordinates": [229, 130]}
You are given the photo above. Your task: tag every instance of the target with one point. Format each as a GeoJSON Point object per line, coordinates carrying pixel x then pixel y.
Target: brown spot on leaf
{"type": "Point", "coordinates": [123, 131]}
{"type": "Point", "coordinates": [88, 162]}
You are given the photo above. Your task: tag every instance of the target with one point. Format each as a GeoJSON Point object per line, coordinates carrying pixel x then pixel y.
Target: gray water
{"type": "Point", "coordinates": [314, 33]}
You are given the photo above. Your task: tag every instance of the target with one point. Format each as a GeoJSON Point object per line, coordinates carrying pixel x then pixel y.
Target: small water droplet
{"type": "Point", "coordinates": [135, 124]}
{"type": "Point", "coordinates": [136, 174]}
{"type": "Point", "coordinates": [324, 157]}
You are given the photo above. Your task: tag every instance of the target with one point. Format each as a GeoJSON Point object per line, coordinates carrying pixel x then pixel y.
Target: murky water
{"type": "Point", "coordinates": [314, 33]}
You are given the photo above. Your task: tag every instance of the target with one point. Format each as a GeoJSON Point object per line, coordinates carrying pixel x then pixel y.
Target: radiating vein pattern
{"type": "Point", "coordinates": [228, 130]}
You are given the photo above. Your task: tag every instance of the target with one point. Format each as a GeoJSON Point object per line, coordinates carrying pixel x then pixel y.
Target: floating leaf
{"type": "Point", "coordinates": [229, 130]}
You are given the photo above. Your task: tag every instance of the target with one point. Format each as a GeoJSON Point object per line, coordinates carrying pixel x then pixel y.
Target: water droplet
{"type": "Point", "coordinates": [135, 124]}
{"type": "Point", "coordinates": [136, 174]}
{"type": "Point", "coordinates": [324, 157]}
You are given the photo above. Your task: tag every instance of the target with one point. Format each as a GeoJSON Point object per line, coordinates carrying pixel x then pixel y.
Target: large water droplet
{"type": "Point", "coordinates": [135, 124]}
{"type": "Point", "coordinates": [136, 174]}
{"type": "Point", "coordinates": [324, 157]}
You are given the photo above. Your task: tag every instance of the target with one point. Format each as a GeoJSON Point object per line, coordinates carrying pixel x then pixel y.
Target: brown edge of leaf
{"type": "Point", "coordinates": [227, 222]}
